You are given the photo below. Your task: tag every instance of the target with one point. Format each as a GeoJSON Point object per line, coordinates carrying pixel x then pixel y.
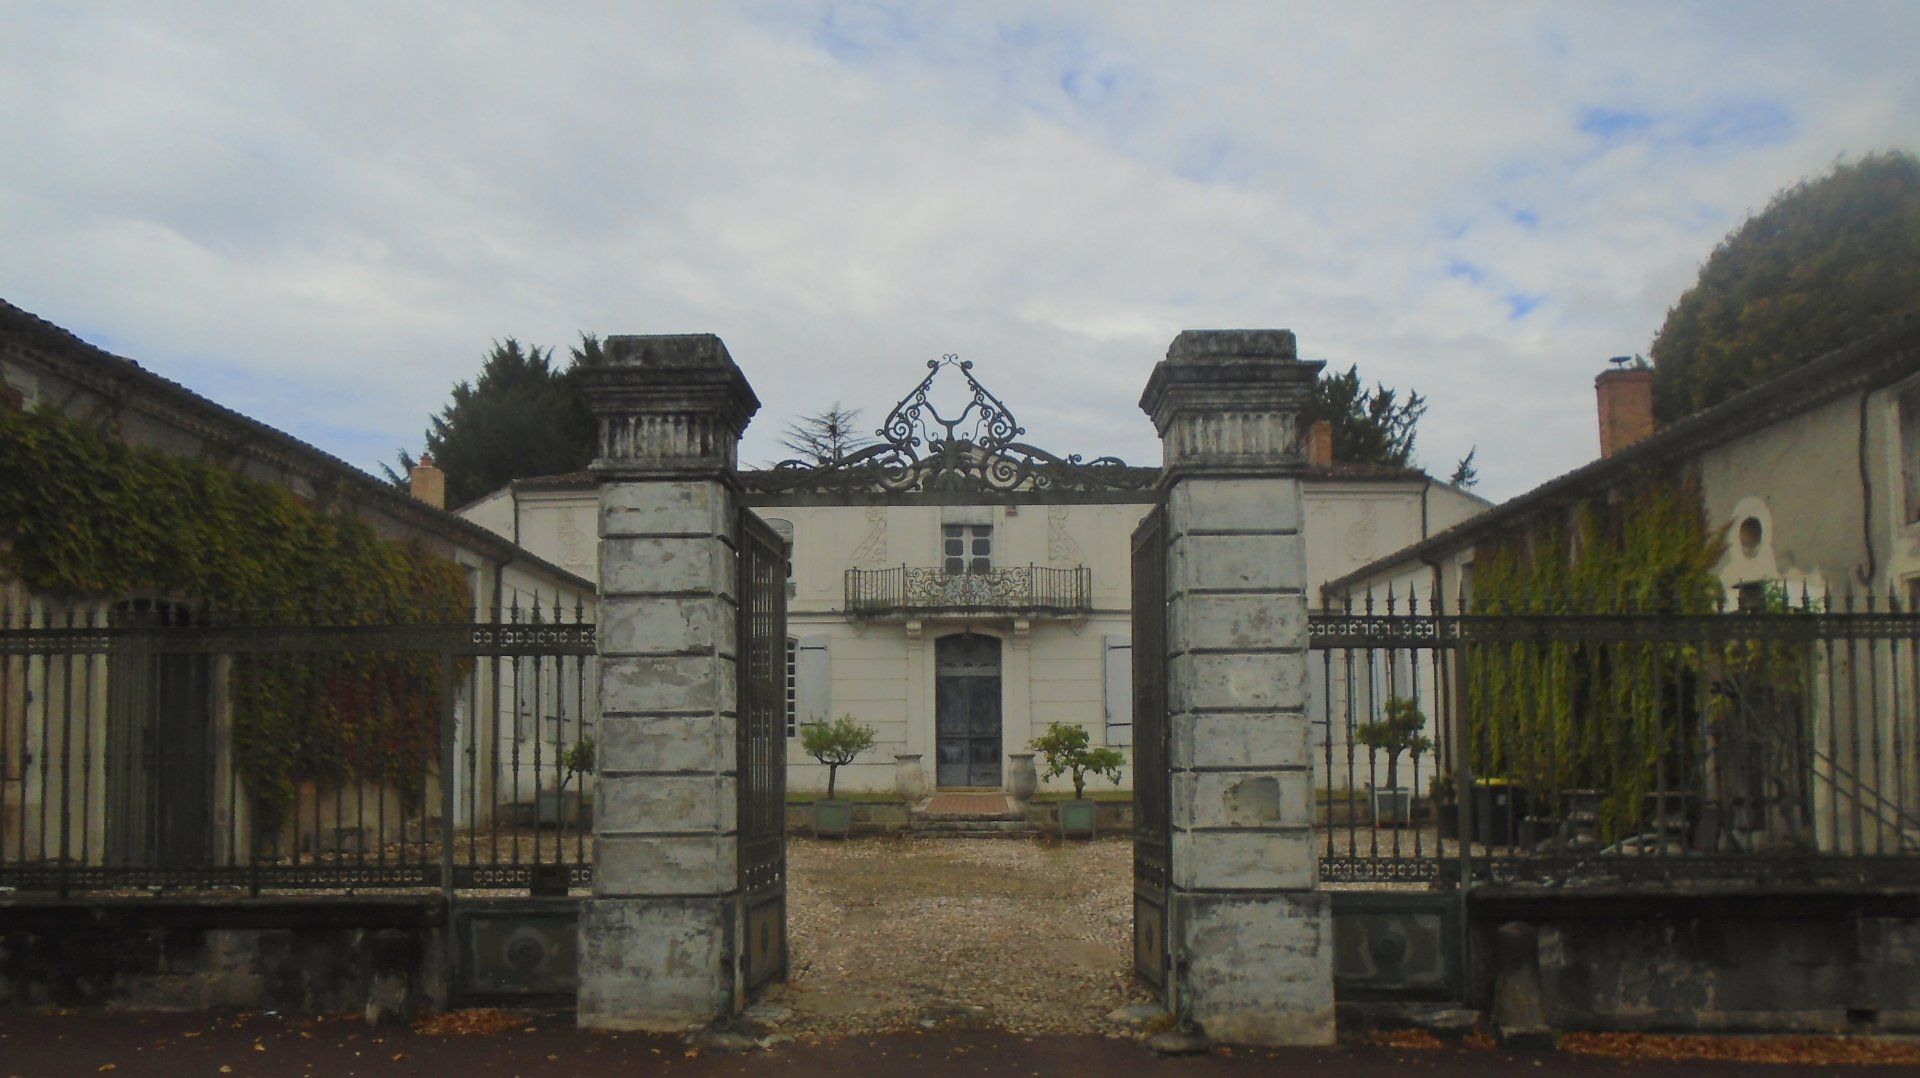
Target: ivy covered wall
{"type": "Point", "coordinates": [87, 518]}
{"type": "Point", "coordinates": [1611, 717]}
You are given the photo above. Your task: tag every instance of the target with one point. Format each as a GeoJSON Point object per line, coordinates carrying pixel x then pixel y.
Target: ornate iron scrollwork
{"type": "Point", "coordinates": [977, 450]}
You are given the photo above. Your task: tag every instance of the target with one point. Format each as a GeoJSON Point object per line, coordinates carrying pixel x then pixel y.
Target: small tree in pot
{"type": "Point", "coordinates": [1396, 732]}
{"type": "Point", "coordinates": [835, 744]}
{"type": "Point", "coordinates": [1067, 750]}
{"type": "Point", "coordinates": [578, 762]}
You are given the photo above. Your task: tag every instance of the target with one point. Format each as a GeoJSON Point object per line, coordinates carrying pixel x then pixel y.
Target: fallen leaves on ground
{"type": "Point", "coordinates": [480, 1020]}
{"type": "Point", "coordinates": [1800, 1050]}
{"type": "Point", "coordinates": [1405, 1038]}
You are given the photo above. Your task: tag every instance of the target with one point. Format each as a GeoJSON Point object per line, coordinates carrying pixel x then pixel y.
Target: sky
{"type": "Point", "coordinates": [323, 215]}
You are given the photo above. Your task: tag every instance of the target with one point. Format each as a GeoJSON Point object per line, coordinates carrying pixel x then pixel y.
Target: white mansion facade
{"type": "Point", "coordinates": [958, 624]}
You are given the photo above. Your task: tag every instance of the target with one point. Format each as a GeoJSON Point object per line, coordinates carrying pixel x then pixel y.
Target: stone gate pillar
{"type": "Point", "coordinates": [1250, 933]}
{"type": "Point", "coordinates": [655, 938]}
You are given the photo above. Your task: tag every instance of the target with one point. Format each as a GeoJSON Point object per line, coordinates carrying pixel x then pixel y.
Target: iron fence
{"type": "Point", "coordinates": [1771, 743]}
{"type": "Point", "coordinates": [915, 591]}
{"type": "Point", "coordinates": [149, 745]}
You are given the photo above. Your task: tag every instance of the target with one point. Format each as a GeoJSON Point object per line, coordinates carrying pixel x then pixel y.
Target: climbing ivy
{"type": "Point", "coordinates": [84, 515]}
{"type": "Point", "coordinates": [1610, 717]}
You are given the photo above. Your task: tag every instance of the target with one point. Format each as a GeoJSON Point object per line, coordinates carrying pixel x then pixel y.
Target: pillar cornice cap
{"type": "Point", "coordinates": [669, 372]}
{"type": "Point", "coordinates": [1229, 398]}
{"type": "Point", "coordinates": [1228, 370]}
{"type": "Point", "coordinates": [673, 402]}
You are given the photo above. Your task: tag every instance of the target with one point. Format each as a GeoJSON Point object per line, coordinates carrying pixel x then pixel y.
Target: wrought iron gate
{"type": "Point", "coordinates": [762, 753]}
{"type": "Point", "coordinates": [1152, 845]}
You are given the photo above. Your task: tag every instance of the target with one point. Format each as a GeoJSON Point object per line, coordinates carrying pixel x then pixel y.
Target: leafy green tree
{"type": "Point", "coordinates": [835, 744]}
{"type": "Point", "coordinates": [1066, 748]}
{"type": "Point", "coordinates": [521, 417]}
{"type": "Point", "coordinates": [1370, 426]}
{"type": "Point", "coordinates": [1828, 261]}
{"type": "Point", "coordinates": [1396, 732]}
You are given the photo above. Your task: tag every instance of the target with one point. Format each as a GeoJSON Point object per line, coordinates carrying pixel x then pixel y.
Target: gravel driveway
{"type": "Point", "coordinates": [910, 932]}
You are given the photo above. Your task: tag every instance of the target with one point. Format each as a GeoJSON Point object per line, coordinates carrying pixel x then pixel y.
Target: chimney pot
{"type": "Point", "coordinates": [427, 482]}
{"type": "Point", "coordinates": [1626, 407]}
{"type": "Point", "coordinates": [1320, 444]}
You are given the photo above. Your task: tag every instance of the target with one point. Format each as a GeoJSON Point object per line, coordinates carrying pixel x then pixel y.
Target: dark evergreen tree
{"type": "Point", "coordinates": [1828, 261]}
{"type": "Point", "coordinates": [1369, 426]}
{"type": "Point", "coordinates": [826, 437]}
{"type": "Point", "coordinates": [521, 417]}
{"type": "Point", "coordinates": [1465, 475]}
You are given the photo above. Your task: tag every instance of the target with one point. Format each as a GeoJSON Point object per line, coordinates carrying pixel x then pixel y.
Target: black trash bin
{"type": "Point", "coordinates": [1496, 808]}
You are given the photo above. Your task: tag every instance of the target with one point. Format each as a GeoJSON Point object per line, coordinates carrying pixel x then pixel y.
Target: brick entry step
{"type": "Point", "coordinates": [946, 804]}
{"type": "Point", "coordinates": [969, 815]}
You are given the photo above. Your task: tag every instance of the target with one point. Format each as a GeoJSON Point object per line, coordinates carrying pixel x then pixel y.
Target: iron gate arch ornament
{"type": "Point", "coordinates": [978, 450]}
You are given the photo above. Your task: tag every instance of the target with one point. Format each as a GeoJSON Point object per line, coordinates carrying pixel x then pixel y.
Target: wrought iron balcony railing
{"type": "Point", "coordinates": [1031, 590]}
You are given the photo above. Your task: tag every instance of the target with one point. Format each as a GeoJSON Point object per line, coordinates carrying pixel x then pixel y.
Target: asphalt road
{"type": "Point", "coordinates": [128, 1044]}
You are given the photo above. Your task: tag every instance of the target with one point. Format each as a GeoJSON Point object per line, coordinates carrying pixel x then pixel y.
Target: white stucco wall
{"type": "Point", "coordinates": [882, 671]}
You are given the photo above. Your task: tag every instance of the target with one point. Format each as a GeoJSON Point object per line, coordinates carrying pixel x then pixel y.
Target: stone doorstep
{"type": "Point", "coordinates": [971, 827]}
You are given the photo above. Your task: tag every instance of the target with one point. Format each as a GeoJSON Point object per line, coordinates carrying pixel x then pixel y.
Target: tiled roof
{"type": "Point", "coordinates": [41, 335]}
{"type": "Point", "coordinates": [1874, 361]}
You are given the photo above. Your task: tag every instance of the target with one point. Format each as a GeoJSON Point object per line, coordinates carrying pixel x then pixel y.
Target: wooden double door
{"type": "Point", "coordinates": [967, 713]}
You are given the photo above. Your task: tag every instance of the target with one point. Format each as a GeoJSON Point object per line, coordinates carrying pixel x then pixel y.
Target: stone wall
{"type": "Point", "coordinates": [308, 955]}
{"type": "Point", "coordinates": [1686, 959]}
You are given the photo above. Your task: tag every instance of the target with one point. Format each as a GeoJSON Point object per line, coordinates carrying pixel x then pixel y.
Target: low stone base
{"type": "Point", "coordinates": [653, 964]}
{"type": "Point", "coordinates": [1259, 967]}
{"type": "Point", "coordinates": [869, 817]}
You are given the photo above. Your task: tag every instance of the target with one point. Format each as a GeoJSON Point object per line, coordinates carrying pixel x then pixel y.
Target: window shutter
{"type": "Point", "coordinates": [1119, 682]}
{"type": "Point", "coordinates": [813, 680]}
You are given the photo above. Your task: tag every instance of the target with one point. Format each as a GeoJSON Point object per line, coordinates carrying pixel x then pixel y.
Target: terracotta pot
{"type": "Point", "coordinates": [1022, 779]}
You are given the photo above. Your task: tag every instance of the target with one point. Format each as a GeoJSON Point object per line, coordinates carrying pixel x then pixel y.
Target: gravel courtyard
{"type": "Point", "coordinates": [904, 933]}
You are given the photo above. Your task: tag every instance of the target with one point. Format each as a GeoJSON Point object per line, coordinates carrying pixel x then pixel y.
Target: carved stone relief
{"type": "Point", "coordinates": [872, 551]}
{"type": "Point", "coordinates": [573, 543]}
{"type": "Point", "coordinates": [1061, 547]}
{"type": "Point", "coordinates": [1362, 538]}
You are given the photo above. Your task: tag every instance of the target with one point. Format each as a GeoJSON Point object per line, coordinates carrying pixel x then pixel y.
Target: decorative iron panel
{"type": "Point", "coordinates": [1152, 782]}
{"type": "Point", "coordinates": [1584, 749]}
{"type": "Point", "coordinates": [1397, 945]}
{"type": "Point", "coordinates": [976, 450]}
{"type": "Point", "coordinates": [415, 756]}
{"type": "Point", "coordinates": [497, 639]}
{"type": "Point", "coordinates": [517, 952]}
{"type": "Point", "coordinates": [1408, 631]}
{"type": "Point", "coordinates": [762, 750]}
{"type": "Point", "coordinates": [915, 591]}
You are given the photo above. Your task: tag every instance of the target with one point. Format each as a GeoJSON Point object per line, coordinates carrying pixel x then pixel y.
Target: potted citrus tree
{"type": "Point", "coordinates": [555, 807]}
{"type": "Point", "coordinates": [1395, 732]}
{"type": "Point", "coordinates": [835, 744]}
{"type": "Point", "coordinates": [1067, 750]}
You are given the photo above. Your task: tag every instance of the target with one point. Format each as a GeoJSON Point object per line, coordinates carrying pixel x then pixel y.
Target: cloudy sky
{"type": "Point", "coordinates": [322, 214]}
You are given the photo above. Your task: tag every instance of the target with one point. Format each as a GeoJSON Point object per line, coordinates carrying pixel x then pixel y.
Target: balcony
{"type": "Point", "coordinates": [1027, 591]}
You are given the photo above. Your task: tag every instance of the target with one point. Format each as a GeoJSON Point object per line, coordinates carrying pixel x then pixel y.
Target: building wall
{"type": "Point", "coordinates": [881, 671]}
{"type": "Point", "coordinates": [1800, 480]}
{"type": "Point", "coordinates": [1817, 500]}
{"type": "Point", "coordinates": [498, 585]}
{"type": "Point", "coordinates": [1893, 453]}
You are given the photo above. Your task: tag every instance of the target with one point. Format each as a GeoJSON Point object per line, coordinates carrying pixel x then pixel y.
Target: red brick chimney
{"type": "Point", "coordinates": [427, 482]}
{"type": "Point", "coordinates": [1320, 444]}
{"type": "Point", "coordinates": [1626, 407]}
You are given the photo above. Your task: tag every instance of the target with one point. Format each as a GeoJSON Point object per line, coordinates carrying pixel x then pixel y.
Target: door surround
{"type": "Point", "coordinates": [969, 710]}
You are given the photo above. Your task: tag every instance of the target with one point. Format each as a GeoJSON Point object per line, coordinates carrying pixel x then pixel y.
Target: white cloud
{"type": "Point", "coordinates": [322, 216]}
